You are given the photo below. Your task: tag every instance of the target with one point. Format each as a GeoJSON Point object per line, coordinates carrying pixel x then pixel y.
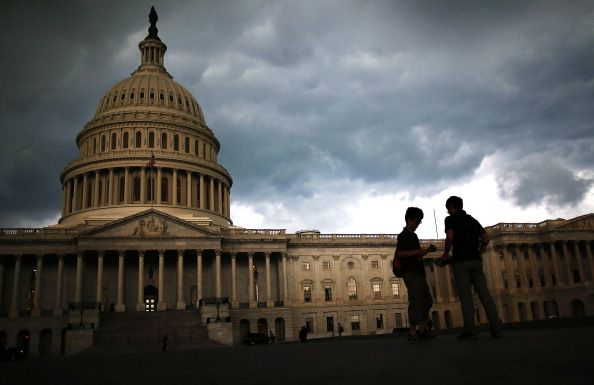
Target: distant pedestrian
{"type": "Point", "coordinates": [468, 239]}
{"type": "Point", "coordinates": [303, 334]}
{"type": "Point", "coordinates": [164, 347]}
{"type": "Point", "coordinates": [340, 329]}
{"type": "Point", "coordinates": [271, 336]}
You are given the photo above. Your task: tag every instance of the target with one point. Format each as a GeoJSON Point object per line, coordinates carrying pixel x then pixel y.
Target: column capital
{"type": "Point", "coordinates": [141, 253]}
{"type": "Point", "coordinates": [180, 252]}
{"type": "Point", "coordinates": [161, 252]}
{"type": "Point", "coordinates": [100, 253]}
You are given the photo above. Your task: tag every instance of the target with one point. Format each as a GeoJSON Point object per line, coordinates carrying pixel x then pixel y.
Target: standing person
{"type": "Point", "coordinates": [164, 346]}
{"type": "Point", "coordinates": [468, 240]}
{"type": "Point", "coordinates": [411, 254]}
{"type": "Point", "coordinates": [340, 329]}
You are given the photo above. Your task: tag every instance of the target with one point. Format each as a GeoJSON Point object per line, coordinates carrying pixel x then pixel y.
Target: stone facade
{"type": "Point", "coordinates": [146, 226]}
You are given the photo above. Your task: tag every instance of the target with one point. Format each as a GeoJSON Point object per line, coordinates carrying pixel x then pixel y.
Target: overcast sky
{"type": "Point", "coordinates": [332, 115]}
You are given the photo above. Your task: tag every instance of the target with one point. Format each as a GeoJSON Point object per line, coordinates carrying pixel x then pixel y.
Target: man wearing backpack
{"type": "Point", "coordinates": [468, 239]}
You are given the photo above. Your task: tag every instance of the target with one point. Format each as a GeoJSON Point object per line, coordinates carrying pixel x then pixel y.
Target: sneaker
{"type": "Point", "coordinates": [497, 334]}
{"type": "Point", "coordinates": [467, 336]}
{"type": "Point", "coordinates": [414, 337]}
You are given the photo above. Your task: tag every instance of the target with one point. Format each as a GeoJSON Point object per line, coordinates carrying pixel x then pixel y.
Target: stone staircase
{"type": "Point", "coordinates": [144, 331]}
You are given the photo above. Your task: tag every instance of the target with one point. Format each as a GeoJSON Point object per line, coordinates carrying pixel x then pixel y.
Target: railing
{"type": "Point", "coordinates": [255, 232]}
{"type": "Point", "coordinates": [40, 232]}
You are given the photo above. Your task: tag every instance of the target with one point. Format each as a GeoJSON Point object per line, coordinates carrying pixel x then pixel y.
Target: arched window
{"type": "Point", "coordinates": [125, 140]}
{"type": "Point", "coordinates": [352, 288]}
{"type": "Point", "coordinates": [151, 139]}
{"type": "Point", "coordinates": [164, 141]}
{"type": "Point", "coordinates": [102, 143]}
{"type": "Point", "coordinates": [175, 142]}
{"type": "Point", "coordinates": [113, 141]}
{"type": "Point", "coordinates": [136, 189]}
{"type": "Point", "coordinates": [164, 190]}
{"type": "Point", "coordinates": [138, 140]}
{"type": "Point", "coordinates": [187, 144]}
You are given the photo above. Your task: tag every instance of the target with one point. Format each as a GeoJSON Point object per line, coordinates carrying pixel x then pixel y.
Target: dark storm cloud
{"type": "Point", "coordinates": [412, 93]}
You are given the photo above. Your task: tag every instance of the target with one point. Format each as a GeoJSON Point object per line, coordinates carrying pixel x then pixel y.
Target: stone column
{"type": "Point", "coordinates": [174, 187]}
{"type": "Point", "coordinates": [75, 195]}
{"type": "Point", "coordinates": [522, 268]}
{"type": "Point", "coordinates": [199, 274]}
{"type": "Point", "coordinates": [111, 184]}
{"type": "Point", "coordinates": [578, 257]}
{"type": "Point", "coordinates": [140, 298]}
{"type": "Point", "coordinates": [546, 266]}
{"type": "Point", "coordinates": [181, 304]}
{"type": "Point", "coordinates": [201, 192]}
{"type": "Point", "coordinates": [451, 294]}
{"type": "Point", "coordinates": [220, 197]}
{"type": "Point", "coordinates": [64, 199]}
{"type": "Point", "coordinates": [189, 189]}
{"type": "Point", "coordinates": [211, 195]}
{"type": "Point", "coordinates": [269, 299]}
{"type": "Point", "coordinates": [590, 261]}
{"type": "Point", "coordinates": [567, 258]}
{"type": "Point", "coordinates": [252, 302]}
{"type": "Point", "coordinates": [553, 250]}
{"type": "Point", "coordinates": [285, 280]}
{"type": "Point", "coordinates": [96, 190]}
{"type": "Point", "coordinates": [509, 271]}
{"type": "Point", "coordinates": [98, 298]}
{"type": "Point", "coordinates": [36, 311]}
{"type": "Point", "coordinates": [120, 306]}
{"type": "Point", "coordinates": [161, 305]}
{"type": "Point", "coordinates": [58, 310]}
{"type": "Point", "coordinates": [436, 280]}
{"type": "Point", "coordinates": [158, 187]}
{"type": "Point", "coordinates": [143, 184]}
{"type": "Point", "coordinates": [533, 269]}
{"type": "Point", "coordinates": [14, 303]}
{"type": "Point", "coordinates": [234, 302]}
{"type": "Point", "coordinates": [218, 273]}
{"type": "Point", "coordinates": [79, 278]}
{"type": "Point", "coordinates": [68, 209]}
{"type": "Point", "coordinates": [85, 202]}
{"type": "Point", "coordinates": [127, 185]}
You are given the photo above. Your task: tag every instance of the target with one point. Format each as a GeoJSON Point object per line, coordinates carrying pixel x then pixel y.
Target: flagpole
{"type": "Point", "coordinates": [435, 219]}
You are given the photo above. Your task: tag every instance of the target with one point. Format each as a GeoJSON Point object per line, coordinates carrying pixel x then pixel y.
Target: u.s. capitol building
{"type": "Point", "coordinates": [146, 247]}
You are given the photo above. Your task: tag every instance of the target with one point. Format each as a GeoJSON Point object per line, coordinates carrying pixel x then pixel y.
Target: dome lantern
{"type": "Point", "coordinates": [152, 49]}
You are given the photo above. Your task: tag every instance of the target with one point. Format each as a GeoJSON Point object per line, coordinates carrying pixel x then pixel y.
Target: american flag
{"type": "Point", "coordinates": [152, 162]}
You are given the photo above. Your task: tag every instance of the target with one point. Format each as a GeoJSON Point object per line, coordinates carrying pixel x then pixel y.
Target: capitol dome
{"type": "Point", "coordinates": [147, 146]}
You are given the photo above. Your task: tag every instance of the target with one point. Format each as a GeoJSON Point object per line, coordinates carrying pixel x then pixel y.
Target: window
{"type": "Point", "coordinates": [355, 322]}
{"type": "Point", "coordinates": [151, 139]}
{"type": "Point", "coordinates": [103, 143]}
{"type": "Point", "coordinates": [196, 147]}
{"type": "Point", "coordinates": [94, 145]}
{"type": "Point", "coordinates": [113, 141]}
{"type": "Point", "coordinates": [352, 288]}
{"type": "Point", "coordinates": [175, 143]}
{"type": "Point", "coordinates": [351, 265]}
{"type": "Point", "coordinates": [187, 145]}
{"type": "Point", "coordinates": [121, 189]}
{"type": "Point", "coordinates": [395, 289]}
{"type": "Point", "coordinates": [329, 324]}
{"type": "Point", "coordinates": [164, 141]}
{"type": "Point", "coordinates": [138, 140]}
{"type": "Point", "coordinates": [374, 264]}
{"type": "Point", "coordinates": [326, 265]}
{"type": "Point", "coordinates": [328, 292]}
{"type": "Point", "coordinates": [150, 191]}
{"type": "Point", "coordinates": [307, 293]}
{"type": "Point", "coordinates": [125, 140]}
{"type": "Point", "coordinates": [306, 266]}
{"type": "Point", "coordinates": [377, 290]}
{"type": "Point", "coordinates": [309, 324]}
{"type": "Point", "coordinates": [379, 321]}
{"type": "Point", "coordinates": [399, 320]}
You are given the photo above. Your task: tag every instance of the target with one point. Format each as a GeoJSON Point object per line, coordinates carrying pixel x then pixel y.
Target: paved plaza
{"type": "Point", "coordinates": [560, 355]}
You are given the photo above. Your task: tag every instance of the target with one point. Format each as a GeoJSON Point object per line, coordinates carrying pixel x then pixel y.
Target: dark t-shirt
{"type": "Point", "coordinates": [467, 234]}
{"type": "Point", "coordinates": [408, 240]}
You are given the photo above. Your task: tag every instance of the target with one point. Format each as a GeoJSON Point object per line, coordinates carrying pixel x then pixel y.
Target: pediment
{"type": "Point", "coordinates": [150, 224]}
{"type": "Point", "coordinates": [584, 222]}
